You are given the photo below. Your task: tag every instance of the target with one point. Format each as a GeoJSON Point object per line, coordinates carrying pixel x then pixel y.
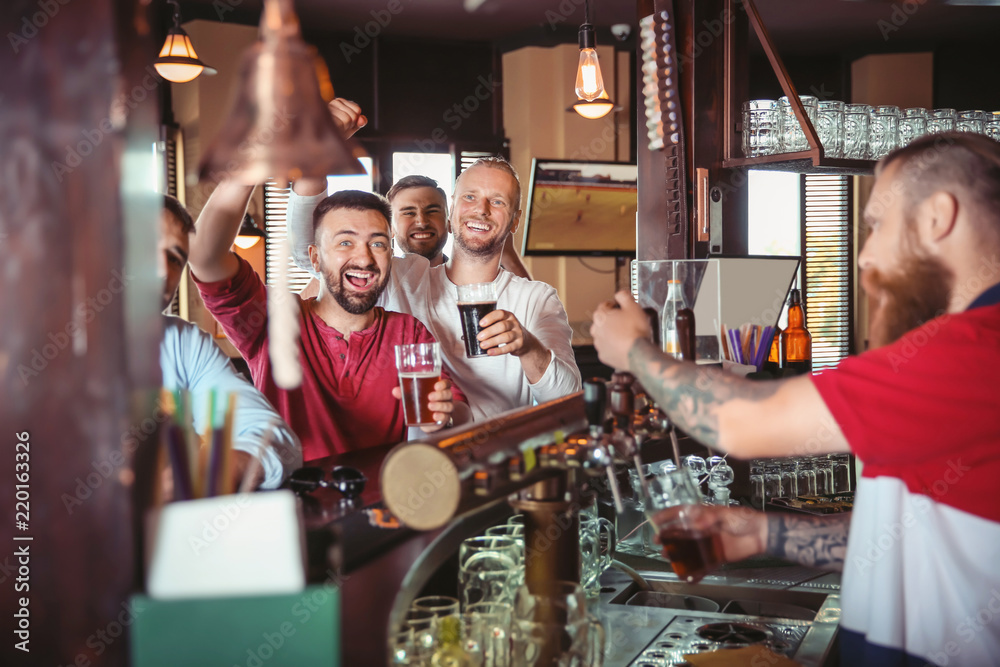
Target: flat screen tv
{"type": "Point", "coordinates": [581, 208]}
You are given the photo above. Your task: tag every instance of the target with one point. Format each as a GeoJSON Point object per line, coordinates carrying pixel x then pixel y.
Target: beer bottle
{"type": "Point", "coordinates": [796, 342]}
{"type": "Point", "coordinates": [677, 324]}
{"type": "Point", "coordinates": [773, 362]}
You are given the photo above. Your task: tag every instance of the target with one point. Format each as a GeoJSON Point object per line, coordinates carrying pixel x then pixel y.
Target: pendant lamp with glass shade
{"type": "Point", "coordinates": [178, 61]}
{"type": "Point", "coordinates": [250, 234]}
{"type": "Point", "coordinates": [592, 99]}
{"type": "Point", "coordinates": [279, 127]}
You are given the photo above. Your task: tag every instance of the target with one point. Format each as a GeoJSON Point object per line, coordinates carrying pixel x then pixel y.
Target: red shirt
{"type": "Point", "coordinates": [345, 400]}
{"type": "Point", "coordinates": [926, 406]}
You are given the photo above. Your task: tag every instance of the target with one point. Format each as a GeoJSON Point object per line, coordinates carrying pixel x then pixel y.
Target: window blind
{"type": "Point", "coordinates": [827, 267]}
{"type": "Point", "coordinates": [275, 206]}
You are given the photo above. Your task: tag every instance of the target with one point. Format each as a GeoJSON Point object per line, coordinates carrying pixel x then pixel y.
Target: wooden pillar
{"type": "Point", "coordinates": [79, 330]}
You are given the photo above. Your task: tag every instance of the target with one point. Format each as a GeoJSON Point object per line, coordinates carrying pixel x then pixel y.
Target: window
{"type": "Point", "coordinates": [275, 205]}
{"type": "Point", "coordinates": [828, 268]}
{"type": "Point", "coordinates": [788, 211]}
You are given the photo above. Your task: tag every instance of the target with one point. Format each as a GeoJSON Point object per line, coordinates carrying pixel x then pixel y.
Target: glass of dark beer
{"type": "Point", "coordinates": [689, 535]}
{"type": "Point", "coordinates": [419, 366]}
{"type": "Point", "coordinates": [474, 303]}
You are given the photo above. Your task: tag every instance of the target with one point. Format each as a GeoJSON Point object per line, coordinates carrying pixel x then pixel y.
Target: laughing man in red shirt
{"type": "Point", "coordinates": [349, 394]}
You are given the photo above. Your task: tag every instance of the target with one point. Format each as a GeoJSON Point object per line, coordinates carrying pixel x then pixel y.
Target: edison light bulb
{"type": "Point", "coordinates": [589, 82]}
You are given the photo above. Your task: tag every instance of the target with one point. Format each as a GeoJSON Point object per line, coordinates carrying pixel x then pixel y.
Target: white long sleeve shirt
{"type": "Point", "coordinates": [492, 384]}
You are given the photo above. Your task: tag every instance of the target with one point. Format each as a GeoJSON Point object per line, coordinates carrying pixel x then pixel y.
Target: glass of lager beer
{"type": "Point", "coordinates": [419, 366]}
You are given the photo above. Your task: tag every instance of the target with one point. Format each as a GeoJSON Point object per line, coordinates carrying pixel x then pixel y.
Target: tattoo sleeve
{"type": "Point", "coordinates": [814, 541]}
{"type": "Point", "coordinates": [691, 395]}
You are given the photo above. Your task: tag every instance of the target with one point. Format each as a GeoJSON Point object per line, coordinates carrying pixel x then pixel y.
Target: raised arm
{"type": "Point", "coordinates": [218, 224]}
{"type": "Point", "coordinates": [744, 417]}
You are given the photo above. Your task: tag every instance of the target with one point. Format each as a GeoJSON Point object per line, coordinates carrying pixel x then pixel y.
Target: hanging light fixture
{"type": "Point", "coordinates": [178, 61]}
{"type": "Point", "coordinates": [250, 234]}
{"type": "Point", "coordinates": [593, 101]}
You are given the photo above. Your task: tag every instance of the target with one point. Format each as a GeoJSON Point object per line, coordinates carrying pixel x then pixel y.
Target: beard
{"type": "Point", "coordinates": [482, 248]}
{"type": "Point", "coordinates": [917, 292]}
{"type": "Point", "coordinates": [353, 302]}
{"type": "Point", "coordinates": [421, 247]}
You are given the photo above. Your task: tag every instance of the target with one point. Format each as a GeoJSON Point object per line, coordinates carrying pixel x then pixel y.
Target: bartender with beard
{"type": "Point", "coordinates": [921, 411]}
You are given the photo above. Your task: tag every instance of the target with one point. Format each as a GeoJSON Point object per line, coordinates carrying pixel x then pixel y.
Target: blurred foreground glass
{"type": "Point", "coordinates": [487, 569]}
{"type": "Point", "coordinates": [912, 125]}
{"type": "Point", "coordinates": [475, 302]}
{"type": "Point", "coordinates": [419, 366]}
{"type": "Point", "coordinates": [597, 545]}
{"type": "Point", "coordinates": [439, 605]}
{"type": "Point", "coordinates": [856, 121]}
{"type": "Point", "coordinates": [940, 120]}
{"type": "Point", "coordinates": [760, 128]}
{"type": "Point", "coordinates": [883, 134]}
{"type": "Point", "coordinates": [486, 633]}
{"type": "Point", "coordinates": [830, 126]}
{"type": "Point", "coordinates": [553, 627]}
{"type": "Point", "coordinates": [689, 534]}
{"type": "Point", "coordinates": [792, 137]}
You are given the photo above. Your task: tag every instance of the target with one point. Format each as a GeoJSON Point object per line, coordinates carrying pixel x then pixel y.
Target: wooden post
{"type": "Point", "coordinates": [79, 330]}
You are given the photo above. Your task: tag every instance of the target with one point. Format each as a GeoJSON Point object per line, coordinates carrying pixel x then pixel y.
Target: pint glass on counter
{"type": "Point", "coordinates": [419, 366]}
{"type": "Point", "coordinates": [474, 303]}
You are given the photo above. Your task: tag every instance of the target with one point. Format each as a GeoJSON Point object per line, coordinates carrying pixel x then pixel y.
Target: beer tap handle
{"type": "Point", "coordinates": [595, 393]}
{"type": "Point", "coordinates": [616, 492]}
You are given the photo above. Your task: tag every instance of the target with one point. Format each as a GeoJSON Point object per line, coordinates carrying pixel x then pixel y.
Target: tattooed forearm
{"type": "Point", "coordinates": [814, 541]}
{"type": "Point", "coordinates": [690, 395]}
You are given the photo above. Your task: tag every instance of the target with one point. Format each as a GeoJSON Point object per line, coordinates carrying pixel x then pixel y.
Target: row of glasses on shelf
{"type": "Point", "coordinates": [852, 131]}
{"type": "Point", "coordinates": [492, 622]}
{"type": "Point", "coordinates": [802, 476]}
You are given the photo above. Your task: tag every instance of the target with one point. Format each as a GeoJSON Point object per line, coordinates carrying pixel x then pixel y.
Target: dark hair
{"type": "Point", "coordinates": [963, 163]}
{"type": "Point", "coordinates": [352, 200]}
{"type": "Point", "coordinates": [501, 163]}
{"type": "Point", "coordinates": [177, 209]}
{"type": "Point", "coordinates": [407, 182]}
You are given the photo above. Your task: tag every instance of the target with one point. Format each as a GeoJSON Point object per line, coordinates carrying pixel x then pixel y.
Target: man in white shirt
{"type": "Point", "coordinates": [528, 338]}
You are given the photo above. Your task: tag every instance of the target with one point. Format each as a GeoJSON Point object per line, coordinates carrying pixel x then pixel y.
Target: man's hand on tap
{"type": "Point", "coordinates": [617, 325]}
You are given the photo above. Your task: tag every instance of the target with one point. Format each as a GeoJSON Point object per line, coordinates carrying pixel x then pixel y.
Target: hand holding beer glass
{"type": "Point", "coordinates": [690, 534]}
{"type": "Point", "coordinates": [475, 302]}
{"type": "Point", "coordinates": [421, 385]}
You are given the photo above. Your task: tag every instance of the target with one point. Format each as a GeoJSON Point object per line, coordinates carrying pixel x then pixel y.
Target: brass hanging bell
{"type": "Point", "coordinates": [279, 126]}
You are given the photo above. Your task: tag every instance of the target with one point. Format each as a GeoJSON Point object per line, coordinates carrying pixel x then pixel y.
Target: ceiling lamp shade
{"type": "Point", "coordinates": [593, 98]}
{"type": "Point", "coordinates": [250, 234]}
{"type": "Point", "coordinates": [178, 62]}
{"type": "Point", "coordinates": [279, 126]}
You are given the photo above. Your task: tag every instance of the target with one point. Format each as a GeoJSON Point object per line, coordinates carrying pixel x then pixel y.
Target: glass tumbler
{"type": "Point", "coordinates": [830, 126]}
{"type": "Point", "coordinates": [940, 120]}
{"type": "Point", "coordinates": [688, 532]}
{"type": "Point", "coordinates": [792, 137]}
{"type": "Point", "coordinates": [760, 128]}
{"type": "Point", "coordinates": [487, 569]}
{"type": "Point", "coordinates": [970, 121]}
{"type": "Point", "coordinates": [856, 122]}
{"type": "Point", "coordinates": [912, 125]}
{"type": "Point", "coordinates": [883, 133]}
{"type": "Point", "coordinates": [991, 125]}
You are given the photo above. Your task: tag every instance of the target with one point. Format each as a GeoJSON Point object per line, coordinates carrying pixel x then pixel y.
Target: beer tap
{"type": "Point", "coordinates": [599, 443]}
